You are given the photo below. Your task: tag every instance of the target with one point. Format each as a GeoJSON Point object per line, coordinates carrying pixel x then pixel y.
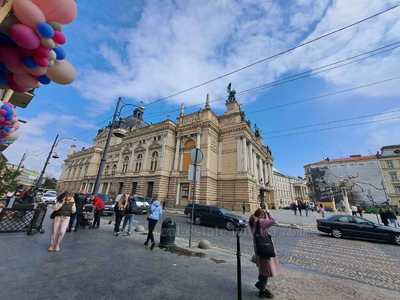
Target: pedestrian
{"type": "Point", "coordinates": [306, 208]}
{"type": "Point", "coordinates": [322, 210]}
{"type": "Point", "coordinates": [155, 212]}
{"type": "Point", "coordinates": [300, 207]}
{"type": "Point", "coordinates": [391, 216]}
{"type": "Point", "coordinates": [119, 210]}
{"type": "Point", "coordinates": [360, 211]}
{"type": "Point", "coordinates": [384, 217]}
{"type": "Point", "coordinates": [98, 204]}
{"type": "Point", "coordinates": [294, 207]}
{"type": "Point", "coordinates": [128, 219]}
{"type": "Point", "coordinates": [244, 208]}
{"type": "Point", "coordinates": [63, 210]}
{"type": "Point", "coordinates": [73, 216]}
{"type": "Point", "coordinates": [354, 210]}
{"type": "Point", "coordinates": [268, 267]}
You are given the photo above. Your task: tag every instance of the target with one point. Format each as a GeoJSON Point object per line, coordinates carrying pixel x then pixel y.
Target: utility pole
{"type": "Point", "coordinates": [104, 154]}
{"type": "Point", "coordinates": [21, 161]}
{"type": "Point", "coordinates": [39, 181]}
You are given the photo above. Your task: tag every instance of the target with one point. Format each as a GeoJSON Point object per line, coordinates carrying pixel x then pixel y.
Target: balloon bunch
{"type": "Point", "coordinates": [30, 39]}
{"type": "Point", "coordinates": [8, 123]}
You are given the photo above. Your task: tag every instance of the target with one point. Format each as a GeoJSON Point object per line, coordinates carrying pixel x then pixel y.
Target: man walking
{"type": "Point", "coordinates": [354, 210]}
{"type": "Point", "coordinates": [155, 213]}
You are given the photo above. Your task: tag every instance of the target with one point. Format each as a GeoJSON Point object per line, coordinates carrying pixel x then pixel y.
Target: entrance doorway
{"type": "Point", "coordinates": [185, 189]}
{"type": "Point", "coordinates": [150, 187]}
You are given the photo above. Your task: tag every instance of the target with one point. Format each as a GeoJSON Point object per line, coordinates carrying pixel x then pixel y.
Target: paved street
{"type": "Point", "coordinates": [368, 262]}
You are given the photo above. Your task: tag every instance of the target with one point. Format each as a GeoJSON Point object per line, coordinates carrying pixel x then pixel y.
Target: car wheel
{"type": "Point", "coordinates": [229, 226]}
{"type": "Point", "coordinates": [197, 220]}
{"type": "Point", "coordinates": [397, 239]}
{"type": "Point", "coordinates": [336, 233]}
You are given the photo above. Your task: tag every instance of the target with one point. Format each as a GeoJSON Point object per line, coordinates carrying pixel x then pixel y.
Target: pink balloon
{"type": "Point", "coordinates": [26, 80]}
{"type": "Point", "coordinates": [60, 11]}
{"type": "Point", "coordinates": [25, 52]}
{"type": "Point", "coordinates": [38, 71]}
{"type": "Point", "coordinates": [16, 87]}
{"type": "Point", "coordinates": [9, 55]}
{"type": "Point", "coordinates": [42, 52]}
{"type": "Point", "coordinates": [59, 38]}
{"type": "Point", "coordinates": [24, 36]}
{"type": "Point", "coordinates": [28, 13]}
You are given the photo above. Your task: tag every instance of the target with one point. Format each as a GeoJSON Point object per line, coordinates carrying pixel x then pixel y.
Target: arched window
{"type": "Point", "coordinates": [114, 170]}
{"type": "Point", "coordinates": [189, 145]}
{"type": "Point", "coordinates": [125, 164]}
{"type": "Point", "coordinates": [74, 172]}
{"type": "Point", "coordinates": [107, 170]}
{"type": "Point", "coordinates": [154, 161]}
{"type": "Point", "coordinates": [139, 163]}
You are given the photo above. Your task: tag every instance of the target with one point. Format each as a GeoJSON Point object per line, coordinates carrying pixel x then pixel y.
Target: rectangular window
{"type": "Point", "coordinates": [389, 164]}
{"type": "Point", "coordinates": [150, 187]}
{"type": "Point", "coordinates": [120, 187]}
{"type": "Point", "coordinates": [134, 188]}
{"type": "Point", "coordinates": [393, 176]}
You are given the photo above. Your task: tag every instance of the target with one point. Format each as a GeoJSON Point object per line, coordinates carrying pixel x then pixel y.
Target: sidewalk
{"type": "Point", "coordinates": [96, 265]}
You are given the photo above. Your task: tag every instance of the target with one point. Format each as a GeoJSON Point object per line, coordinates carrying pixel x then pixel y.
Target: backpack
{"type": "Point", "coordinates": [131, 205]}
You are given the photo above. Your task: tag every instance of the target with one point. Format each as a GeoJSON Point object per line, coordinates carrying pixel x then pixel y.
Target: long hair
{"type": "Point", "coordinates": [259, 213]}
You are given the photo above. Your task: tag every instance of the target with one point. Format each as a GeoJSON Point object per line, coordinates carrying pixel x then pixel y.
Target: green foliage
{"type": "Point", "coordinates": [50, 183]}
{"type": "Point", "coordinates": [8, 178]}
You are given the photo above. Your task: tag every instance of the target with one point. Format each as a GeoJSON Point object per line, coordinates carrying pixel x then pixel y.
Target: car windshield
{"type": "Point", "coordinates": [224, 211]}
{"type": "Point", "coordinates": [50, 194]}
{"type": "Point", "coordinates": [140, 199]}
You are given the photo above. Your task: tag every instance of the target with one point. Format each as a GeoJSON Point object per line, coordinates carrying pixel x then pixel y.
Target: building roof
{"type": "Point", "coordinates": [390, 147]}
{"type": "Point", "coordinates": [351, 158]}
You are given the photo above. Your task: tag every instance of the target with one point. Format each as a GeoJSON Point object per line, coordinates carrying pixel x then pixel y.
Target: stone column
{"type": "Point", "coordinates": [251, 158]}
{"type": "Point", "coordinates": [255, 167]}
{"type": "Point", "coordinates": [261, 163]}
{"type": "Point", "coordinates": [177, 148]}
{"type": "Point", "coordinates": [239, 159]}
{"type": "Point", "coordinates": [146, 157]}
{"type": "Point", "coordinates": [198, 140]}
{"type": "Point", "coordinates": [265, 173]}
{"type": "Point", "coordinates": [244, 154]}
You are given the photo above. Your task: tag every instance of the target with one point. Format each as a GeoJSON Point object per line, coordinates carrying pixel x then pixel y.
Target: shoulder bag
{"type": "Point", "coordinates": [264, 247]}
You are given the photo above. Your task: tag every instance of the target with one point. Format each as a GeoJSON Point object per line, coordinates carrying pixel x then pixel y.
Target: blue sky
{"type": "Point", "coordinates": [144, 50]}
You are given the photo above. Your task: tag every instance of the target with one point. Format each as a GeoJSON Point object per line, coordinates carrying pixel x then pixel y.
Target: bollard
{"type": "Point", "coordinates": [168, 233]}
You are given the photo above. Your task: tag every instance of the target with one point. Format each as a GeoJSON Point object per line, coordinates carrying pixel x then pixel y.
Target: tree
{"type": "Point", "coordinates": [50, 183]}
{"type": "Point", "coordinates": [8, 178]}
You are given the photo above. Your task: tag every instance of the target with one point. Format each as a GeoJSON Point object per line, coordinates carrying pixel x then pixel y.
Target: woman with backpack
{"type": "Point", "coordinates": [61, 214]}
{"type": "Point", "coordinates": [265, 256]}
{"type": "Point", "coordinates": [119, 210]}
{"type": "Point", "coordinates": [128, 219]}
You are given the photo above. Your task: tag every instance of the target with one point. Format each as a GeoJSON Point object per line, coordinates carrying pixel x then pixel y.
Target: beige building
{"type": "Point", "coordinates": [153, 160]}
{"type": "Point", "coordinates": [389, 161]}
{"type": "Point", "coordinates": [288, 189]}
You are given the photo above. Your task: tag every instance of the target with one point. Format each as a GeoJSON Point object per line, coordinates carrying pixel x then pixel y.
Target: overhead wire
{"type": "Point", "coordinates": [274, 55]}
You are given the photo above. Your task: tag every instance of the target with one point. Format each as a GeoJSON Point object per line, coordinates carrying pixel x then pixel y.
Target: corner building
{"type": "Point", "coordinates": [153, 161]}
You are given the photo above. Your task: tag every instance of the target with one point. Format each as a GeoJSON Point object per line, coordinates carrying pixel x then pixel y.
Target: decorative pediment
{"type": "Point", "coordinates": [155, 145]}
{"type": "Point", "coordinates": [140, 149]}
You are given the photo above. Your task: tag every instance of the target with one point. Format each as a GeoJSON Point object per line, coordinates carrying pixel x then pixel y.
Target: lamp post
{"type": "Point", "coordinates": [49, 156]}
{"type": "Point", "coordinates": [117, 113]}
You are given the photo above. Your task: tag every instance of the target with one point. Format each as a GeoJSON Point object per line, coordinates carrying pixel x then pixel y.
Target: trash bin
{"type": "Point", "coordinates": [168, 233]}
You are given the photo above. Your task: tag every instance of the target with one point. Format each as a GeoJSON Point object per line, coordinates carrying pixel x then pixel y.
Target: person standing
{"type": "Point", "coordinates": [98, 204]}
{"type": "Point", "coordinates": [392, 219]}
{"type": "Point", "coordinates": [354, 210]}
{"type": "Point", "coordinates": [300, 207]}
{"type": "Point", "coordinates": [384, 217]}
{"type": "Point", "coordinates": [155, 212]}
{"type": "Point", "coordinates": [306, 208]}
{"type": "Point", "coordinates": [294, 207]}
{"type": "Point", "coordinates": [268, 267]}
{"type": "Point", "coordinates": [322, 210]}
{"type": "Point", "coordinates": [119, 209]}
{"type": "Point", "coordinates": [360, 211]}
{"type": "Point", "coordinates": [63, 210]}
{"type": "Point", "coordinates": [244, 208]}
{"type": "Point", "coordinates": [128, 219]}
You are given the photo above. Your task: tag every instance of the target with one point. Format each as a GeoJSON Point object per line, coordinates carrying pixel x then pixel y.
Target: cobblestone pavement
{"type": "Point", "coordinates": [377, 264]}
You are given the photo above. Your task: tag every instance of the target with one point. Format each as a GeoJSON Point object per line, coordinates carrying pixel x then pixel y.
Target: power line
{"type": "Point", "coordinates": [334, 121]}
{"type": "Point", "coordinates": [273, 56]}
{"type": "Point", "coordinates": [302, 75]}
{"type": "Point", "coordinates": [332, 128]}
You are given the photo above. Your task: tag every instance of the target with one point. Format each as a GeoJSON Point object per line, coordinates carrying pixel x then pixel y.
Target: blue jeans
{"type": "Point", "coordinates": [128, 220]}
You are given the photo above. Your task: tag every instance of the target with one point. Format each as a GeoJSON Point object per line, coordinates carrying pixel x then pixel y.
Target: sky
{"type": "Point", "coordinates": [146, 50]}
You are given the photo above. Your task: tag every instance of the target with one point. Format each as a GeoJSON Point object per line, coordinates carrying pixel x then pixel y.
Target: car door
{"type": "Point", "coordinates": [369, 230]}
{"type": "Point", "coordinates": [214, 217]}
{"type": "Point", "coordinates": [345, 224]}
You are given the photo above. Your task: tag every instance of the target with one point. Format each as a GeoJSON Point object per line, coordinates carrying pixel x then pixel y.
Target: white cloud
{"type": "Point", "coordinates": [34, 141]}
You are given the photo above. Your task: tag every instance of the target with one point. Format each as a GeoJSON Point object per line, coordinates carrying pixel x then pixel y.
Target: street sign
{"type": "Point", "coordinates": [191, 173]}
{"type": "Point", "coordinates": [197, 156]}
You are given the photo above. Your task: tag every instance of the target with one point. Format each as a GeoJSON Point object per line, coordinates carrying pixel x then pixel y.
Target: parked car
{"type": "Point", "coordinates": [218, 217]}
{"type": "Point", "coordinates": [188, 208]}
{"type": "Point", "coordinates": [350, 226]}
{"type": "Point", "coordinates": [140, 205]}
{"type": "Point", "coordinates": [49, 197]}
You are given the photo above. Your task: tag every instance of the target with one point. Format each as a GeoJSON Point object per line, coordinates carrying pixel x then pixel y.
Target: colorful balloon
{"type": "Point", "coordinates": [60, 53]}
{"type": "Point", "coordinates": [59, 38]}
{"type": "Point", "coordinates": [28, 13]}
{"type": "Point", "coordinates": [62, 72]}
{"type": "Point", "coordinates": [60, 11]}
{"type": "Point", "coordinates": [56, 26]}
{"type": "Point", "coordinates": [42, 51]}
{"type": "Point", "coordinates": [38, 71]}
{"type": "Point", "coordinates": [41, 61]}
{"type": "Point", "coordinates": [5, 39]}
{"type": "Point", "coordinates": [25, 80]}
{"type": "Point", "coordinates": [48, 43]}
{"type": "Point", "coordinates": [44, 79]}
{"type": "Point", "coordinates": [45, 30]}
{"type": "Point", "coordinates": [24, 36]}
{"type": "Point", "coordinates": [16, 87]}
{"type": "Point", "coordinates": [30, 63]}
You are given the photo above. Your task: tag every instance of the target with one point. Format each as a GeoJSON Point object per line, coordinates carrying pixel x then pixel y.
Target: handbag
{"type": "Point", "coordinates": [263, 245]}
{"type": "Point", "coordinates": [54, 214]}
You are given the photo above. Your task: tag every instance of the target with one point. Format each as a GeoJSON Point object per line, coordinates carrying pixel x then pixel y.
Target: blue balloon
{"type": "Point", "coordinates": [60, 53]}
{"type": "Point", "coordinates": [45, 30]}
{"type": "Point", "coordinates": [44, 79]}
{"type": "Point", "coordinates": [29, 62]}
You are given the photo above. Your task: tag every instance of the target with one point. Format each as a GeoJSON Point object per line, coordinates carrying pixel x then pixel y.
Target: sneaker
{"type": "Point", "coordinates": [258, 286]}
{"type": "Point", "coordinates": [265, 294]}
{"type": "Point", "coordinates": [145, 244]}
{"type": "Point", "coordinates": [152, 246]}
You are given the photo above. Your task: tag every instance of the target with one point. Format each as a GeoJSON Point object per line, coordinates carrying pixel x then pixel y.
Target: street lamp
{"type": "Point", "coordinates": [49, 156]}
{"type": "Point", "coordinates": [118, 132]}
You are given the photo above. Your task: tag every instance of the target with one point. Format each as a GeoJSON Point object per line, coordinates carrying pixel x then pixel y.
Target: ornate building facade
{"type": "Point", "coordinates": [154, 160]}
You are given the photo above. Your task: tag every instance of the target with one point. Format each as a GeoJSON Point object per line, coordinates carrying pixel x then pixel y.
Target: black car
{"type": "Point", "coordinates": [218, 217]}
{"type": "Point", "coordinates": [351, 226]}
{"type": "Point", "coordinates": [188, 208]}
{"type": "Point", "coordinates": [140, 205]}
